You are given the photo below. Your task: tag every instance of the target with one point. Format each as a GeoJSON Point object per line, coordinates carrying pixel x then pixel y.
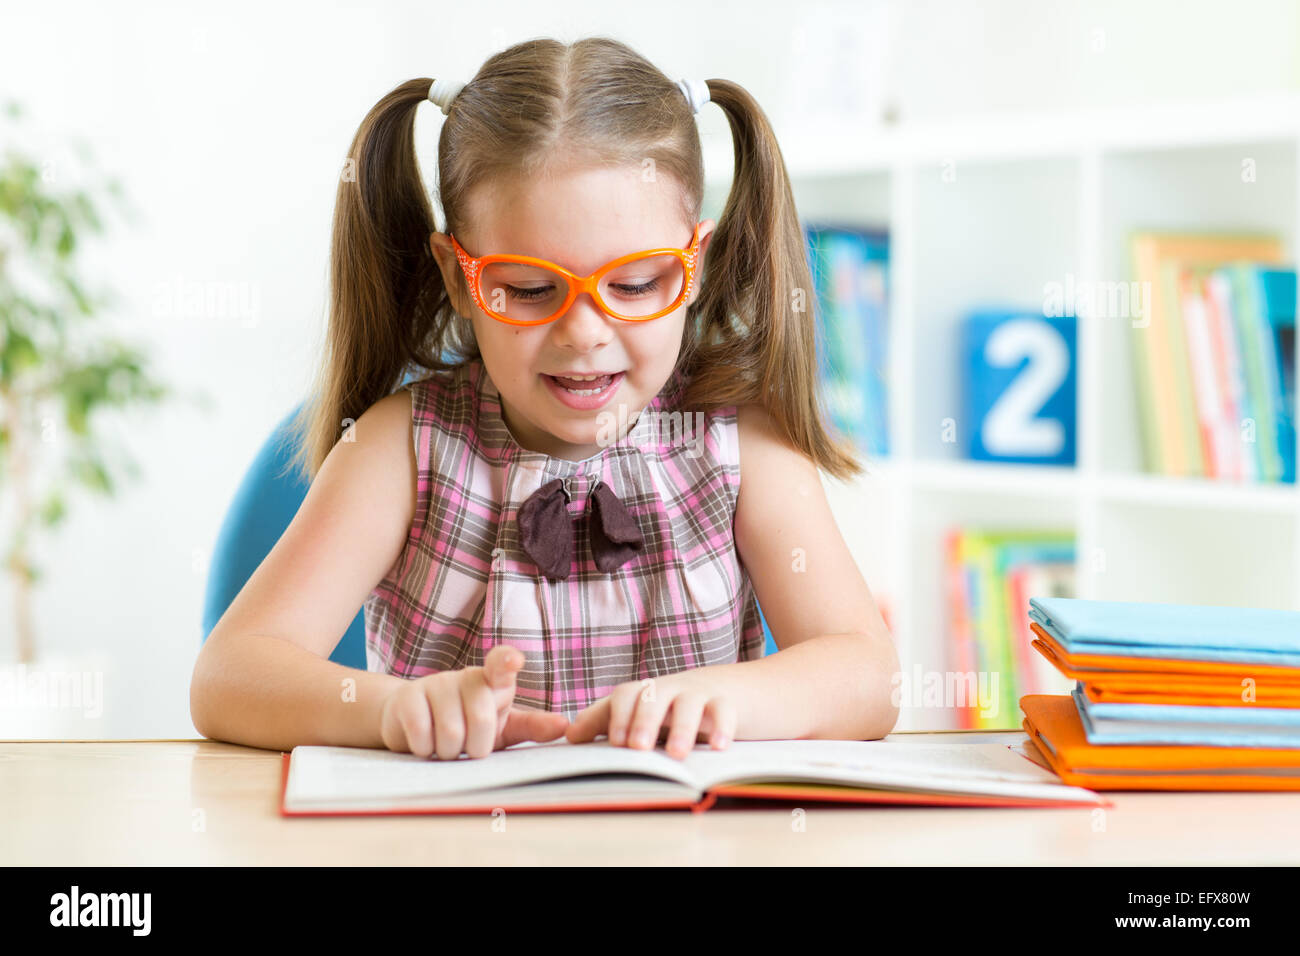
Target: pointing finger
{"type": "Point", "coordinates": [501, 665]}
{"type": "Point", "coordinates": [523, 724]}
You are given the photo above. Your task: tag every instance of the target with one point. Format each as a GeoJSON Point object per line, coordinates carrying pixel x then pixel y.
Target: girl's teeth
{"type": "Point", "coordinates": [597, 385]}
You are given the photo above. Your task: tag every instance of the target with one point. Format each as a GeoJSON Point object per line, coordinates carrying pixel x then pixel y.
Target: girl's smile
{"type": "Point", "coordinates": [588, 395]}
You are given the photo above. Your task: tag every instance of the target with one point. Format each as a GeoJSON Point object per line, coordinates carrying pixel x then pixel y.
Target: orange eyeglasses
{"type": "Point", "coordinates": [523, 290]}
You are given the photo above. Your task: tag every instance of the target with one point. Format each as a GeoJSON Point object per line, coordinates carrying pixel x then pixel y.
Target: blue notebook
{"type": "Point", "coordinates": [1160, 724]}
{"type": "Point", "coordinates": [1175, 631]}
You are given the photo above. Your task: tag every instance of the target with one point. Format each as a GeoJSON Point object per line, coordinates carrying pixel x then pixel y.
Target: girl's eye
{"type": "Point", "coordinates": [531, 294]}
{"type": "Point", "coordinates": [635, 289]}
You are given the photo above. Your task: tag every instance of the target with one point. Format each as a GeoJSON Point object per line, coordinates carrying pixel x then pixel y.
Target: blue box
{"type": "Point", "coordinates": [1018, 389]}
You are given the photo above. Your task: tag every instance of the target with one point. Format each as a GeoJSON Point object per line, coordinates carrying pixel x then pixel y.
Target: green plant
{"type": "Point", "coordinates": [59, 369]}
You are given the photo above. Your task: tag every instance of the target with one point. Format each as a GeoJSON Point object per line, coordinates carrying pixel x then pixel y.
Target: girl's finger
{"type": "Point", "coordinates": [448, 718]}
{"type": "Point", "coordinates": [651, 708]}
{"type": "Point", "coordinates": [684, 724]}
{"type": "Point", "coordinates": [722, 722]}
{"type": "Point", "coordinates": [480, 709]}
{"type": "Point", "coordinates": [501, 669]}
{"type": "Point", "coordinates": [622, 705]}
{"type": "Point", "coordinates": [523, 723]}
{"type": "Point", "coordinates": [589, 723]}
{"type": "Point", "coordinates": [412, 713]}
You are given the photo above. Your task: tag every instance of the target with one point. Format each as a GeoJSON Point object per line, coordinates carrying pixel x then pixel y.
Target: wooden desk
{"type": "Point", "coordinates": [196, 802]}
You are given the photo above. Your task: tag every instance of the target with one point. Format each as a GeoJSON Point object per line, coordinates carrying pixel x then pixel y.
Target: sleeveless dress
{"type": "Point", "coordinates": [463, 584]}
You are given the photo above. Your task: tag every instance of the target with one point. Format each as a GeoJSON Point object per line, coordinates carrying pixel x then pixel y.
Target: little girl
{"type": "Point", "coordinates": [566, 526]}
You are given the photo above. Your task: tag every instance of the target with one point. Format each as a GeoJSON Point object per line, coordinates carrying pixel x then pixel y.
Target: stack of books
{"type": "Point", "coordinates": [990, 574]}
{"type": "Point", "coordinates": [1168, 696]}
{"type": "Point", "coordinates": [850, 270]}
{"type": "Point", "coordinates": [1213, 320]}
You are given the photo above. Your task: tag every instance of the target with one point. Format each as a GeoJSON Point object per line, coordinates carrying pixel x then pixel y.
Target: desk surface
{"type": "Point", "coordinates": [202, 803]}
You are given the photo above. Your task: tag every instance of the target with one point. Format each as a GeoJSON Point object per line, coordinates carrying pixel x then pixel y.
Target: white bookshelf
{"type": "Point", "coordinates": [1035, 198]}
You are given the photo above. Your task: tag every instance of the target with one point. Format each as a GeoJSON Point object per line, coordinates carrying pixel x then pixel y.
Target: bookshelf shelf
{"type": "Point", "coordinates": [1161, 491]}
{"type": "Point", "coordinates": [987, 211]}
{"type": "Point", "coordinates": [994, 478]}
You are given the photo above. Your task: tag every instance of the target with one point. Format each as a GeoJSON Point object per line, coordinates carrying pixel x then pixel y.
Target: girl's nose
{"type": "Point", "coordinates": [584, 327]}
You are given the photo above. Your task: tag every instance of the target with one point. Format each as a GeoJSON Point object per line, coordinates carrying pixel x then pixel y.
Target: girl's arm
{"type": "Point", "coordinates": [263, 677]}
{"type": "Point", "coordinates": [834, 675]}
{"type": "Point", "coordinates": [835, 672]}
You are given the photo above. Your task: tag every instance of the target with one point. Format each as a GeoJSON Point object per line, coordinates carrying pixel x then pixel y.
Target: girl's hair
{"type": "Point", "coordinates": [749, 336]}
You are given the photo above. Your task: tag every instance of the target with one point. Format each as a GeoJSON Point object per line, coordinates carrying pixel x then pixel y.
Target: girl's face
{"type": "Point", "coordinates": [579, 218]}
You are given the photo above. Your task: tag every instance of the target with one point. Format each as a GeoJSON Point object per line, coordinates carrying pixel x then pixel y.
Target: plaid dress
{"type": "Point", "coordinates": [463, 584]}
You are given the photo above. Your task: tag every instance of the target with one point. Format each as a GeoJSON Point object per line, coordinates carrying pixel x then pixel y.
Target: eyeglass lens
{"type": "Point", "coordinates": [530, 293]}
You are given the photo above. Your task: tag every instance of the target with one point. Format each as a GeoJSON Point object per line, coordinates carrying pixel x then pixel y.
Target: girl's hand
{"type": "Point", "coordinates": [685, 706]}
{"type": "Point", "coordinates": [468, 711]}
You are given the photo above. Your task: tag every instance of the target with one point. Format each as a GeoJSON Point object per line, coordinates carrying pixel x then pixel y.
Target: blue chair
{"type": "Point", "coordinates": [262, 508]}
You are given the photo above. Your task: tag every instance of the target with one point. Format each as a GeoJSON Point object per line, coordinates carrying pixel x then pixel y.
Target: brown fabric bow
{"type": "Point", "coordinates": [546, 530]}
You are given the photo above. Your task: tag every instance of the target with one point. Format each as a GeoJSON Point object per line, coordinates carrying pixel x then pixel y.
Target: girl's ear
{"type": "Point", "coordinates": [706, 233]}
{"type": "Point", "coordinates": [452, 277]}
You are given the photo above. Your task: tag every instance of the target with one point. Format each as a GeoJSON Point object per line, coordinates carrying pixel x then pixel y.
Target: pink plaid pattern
{"type": "Point", "coordinates": [463, 584]}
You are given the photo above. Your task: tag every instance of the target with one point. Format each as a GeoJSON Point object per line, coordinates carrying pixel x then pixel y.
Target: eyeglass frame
{"type": "Point", "coordinates": [472, 267]}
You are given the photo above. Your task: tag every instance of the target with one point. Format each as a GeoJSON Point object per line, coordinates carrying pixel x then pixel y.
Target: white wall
{"type": "Point", "coordinates": [227, 123]}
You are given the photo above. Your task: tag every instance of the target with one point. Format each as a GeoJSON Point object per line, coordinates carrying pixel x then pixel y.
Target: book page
{"type": "Point", "coordinates": [332, 774]}
{"type": "Point", "coordinates": [1027, 749]}
{"type": "Point", "coordinates": [949, 768]}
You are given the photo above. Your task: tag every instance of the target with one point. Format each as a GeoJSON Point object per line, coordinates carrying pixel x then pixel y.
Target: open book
{"type": "Point", "coordinates": [560, 776]}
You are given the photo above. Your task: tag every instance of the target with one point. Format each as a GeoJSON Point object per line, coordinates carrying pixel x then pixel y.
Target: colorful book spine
{"type": "Point", "coordinates": [1210, 362]}
{"type": "Point", "coordinates": [961, 633]}
{"type": "Point", "coordinates": [1257, 360]}
{"type": "Point", "coordinates": [1205, 383]}
{"type": "Point", "coordinates": [1189, 458]}
{"type": "Point", "coordinates": [991, 575]}
{"type": "Point", "coordinates": [1278, 290]}
{"type": "Point", "coordinates": [1220, 291]}
{"type": "Point", "coordinates": [1227, 374]}
{"type": "Point", "coordinates": [1051, 579]}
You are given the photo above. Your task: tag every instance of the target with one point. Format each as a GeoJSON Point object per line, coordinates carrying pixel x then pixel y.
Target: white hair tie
{"type": "Point", "coordinates": [442, 92]}
{"type": "Point", "coordinates": [695, 91]}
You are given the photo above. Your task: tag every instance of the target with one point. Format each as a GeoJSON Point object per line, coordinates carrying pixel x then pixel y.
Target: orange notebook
{"type": "Point", "coordinates": [1151, 680]}
{"type": "Point", "coordinates": [1052, 723]}
{"type": "Point", "coordinates": [561, 777]}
